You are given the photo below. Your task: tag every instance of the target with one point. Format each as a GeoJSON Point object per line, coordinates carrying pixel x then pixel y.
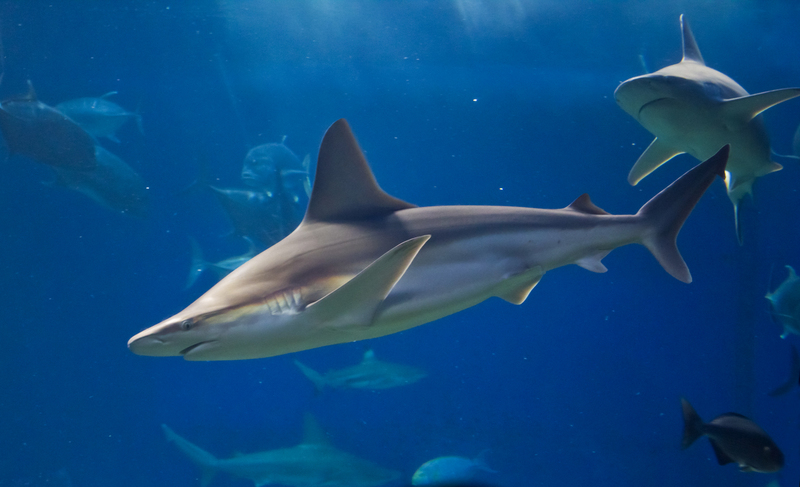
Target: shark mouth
{"type": "Point", "coordinates": [193, 347]}
{"type": "Point", "coordinates": [650, 103]}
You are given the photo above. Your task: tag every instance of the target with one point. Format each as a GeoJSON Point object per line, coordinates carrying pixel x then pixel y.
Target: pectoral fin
{"type": "Point", "coordinates": [722, 457]}
{"type": "Point", "coordinates": [655, 155]}
{"type": "Point", "coordinates": [355, 302]}
{"type": "Point", "coordinates": [737, 112]}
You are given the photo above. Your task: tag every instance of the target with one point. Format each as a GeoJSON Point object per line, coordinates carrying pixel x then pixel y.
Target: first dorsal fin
{"type": "Point", "coordinates": [369, 356]}
{"type": "Point", "coordinates": [312, 431]}
{"type": "Point", "coordinates": [344, 187]}
{"type": "Point", "coordinates": [690, 50]}
{"type": "Point", "coordinates": [583, 204]}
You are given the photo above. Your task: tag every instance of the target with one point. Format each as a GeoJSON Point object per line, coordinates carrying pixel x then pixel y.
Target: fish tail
{"type": "Point", "coordinates": [665, 213]}
{"type": "Point", "coordinates": [314, 376]}
{"type": "Point", "coordinates": [198, 264]}
{"type": "Point", "coordinates": [206, 461]}
{"type": "Point", "coordinates": [692, 424]}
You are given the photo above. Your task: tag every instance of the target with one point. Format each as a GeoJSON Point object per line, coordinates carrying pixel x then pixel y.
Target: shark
{"type": "Point", "coordinates": [784, 303]}
{"type": "Point", "coordinates": [694, 109]}
{"type": "Point", "coordinates": [371, 373]}
{"type": "Point", "coordinates": [314, 462]}
{"type": "Point", "coordinates": [364, 264]}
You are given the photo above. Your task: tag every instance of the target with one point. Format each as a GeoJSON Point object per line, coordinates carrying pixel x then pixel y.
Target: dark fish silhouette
{"type": "Point", "coordinates": [44, 134]}
{"type": "Point", "coordinates": [99, 116]}
{"type": "Point", "coordinates": [794, 376]}
{"type": "Point", "coordinates": [266, 218]}
{"type": "Point", "coordinates": [111, 183]}
{"type": "Point", "coordinates": [734, 438]}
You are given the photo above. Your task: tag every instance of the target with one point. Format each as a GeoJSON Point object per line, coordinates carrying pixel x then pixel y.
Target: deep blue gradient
{"type": "Point", "coordinates": [454, 102]}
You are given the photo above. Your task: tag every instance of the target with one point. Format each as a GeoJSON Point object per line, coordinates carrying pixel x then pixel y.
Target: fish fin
{"type": "Point", "coordinates": [199, 265]}
{"type": "Point", "coordinates": [344, 186]}
{"type": "Point", "coordinates": [357, 300]}
{"type": "Point", "coordinates": [480, 461]}
{"type": "Point", "coordinates": [206, 461]}
{"type": "Point", "coordinates": [692, 425]}
{"type": "Point", "coordinates": [668, 210]}
{"type": "Point", "coordinates": [113, 138]}
{"type": "Point", "coordinates": [31, 95]}
{"type": "Point", "coordinates": [656, 154]}
{"type": "Point", "coordinates": [369, 356]}
{"type": "Point", "coordinates": [313, 434]}
{"type": "Point", "coordinates": [583, 204]}
{"type": "Point", "coordinates": [110, 93]}
{"type": "Point", "coordinates": [315, 377]}
{"type": "Point", "coordinates": [307, 180]}
{"type": "Point", "coordinates": [722, 457]}
{"type": "Point", "coordinates": [737, 112]}
{"type": "Point", "coordinates": [593, 262]}
{"type": "Point", "coordinates": [516, 288]}
{"type": "Point", "coordinates": [690, 50]}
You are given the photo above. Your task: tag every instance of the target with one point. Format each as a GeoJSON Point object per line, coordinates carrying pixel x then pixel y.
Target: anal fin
{"type": "Point", "coordinates": [592, 262]}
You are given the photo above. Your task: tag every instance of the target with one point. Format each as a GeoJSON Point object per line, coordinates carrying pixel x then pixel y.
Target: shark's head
{"type": "Point", "coordinates": [637, 94]}
{"type": "Point", "coordinates": [180, 335]}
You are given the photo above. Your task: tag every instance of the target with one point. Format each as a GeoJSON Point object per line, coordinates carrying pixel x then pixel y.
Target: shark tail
{"type": "Point", "coordinates": [314, 376]}
{"type": "Point", "coordinates": [692, 425]}
{"type": "Point", "coordinates": [666, 212]}
{"type": "Point", "coordinates": [206, 461]}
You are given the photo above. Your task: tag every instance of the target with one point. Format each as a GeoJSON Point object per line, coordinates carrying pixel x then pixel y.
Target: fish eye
{"type": "Point", "coordinates": [186, 325]}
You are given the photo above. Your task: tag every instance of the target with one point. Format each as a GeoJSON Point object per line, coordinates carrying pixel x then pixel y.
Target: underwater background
{"type": "Point", "coordinates": [453, 102]}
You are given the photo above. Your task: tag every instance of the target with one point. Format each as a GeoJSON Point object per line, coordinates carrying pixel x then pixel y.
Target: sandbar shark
{"type": "Point", "coordinates": [312, 463]}
{"type": "Point", "coordinates": [694, 109]}
{"type": "Point", "coordinates": [364, 264]}
{"type": "Point", "coordinates": [371, 373]}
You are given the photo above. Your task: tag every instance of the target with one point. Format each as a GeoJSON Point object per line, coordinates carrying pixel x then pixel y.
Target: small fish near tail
{"type": "Point", "coordinates": [206, 461]}
{"type": "Point", "coordinates": [666, 212]}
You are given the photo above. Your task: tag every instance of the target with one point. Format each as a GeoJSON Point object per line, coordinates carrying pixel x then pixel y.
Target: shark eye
{"type": "Point", "coordinates": [186, 325]}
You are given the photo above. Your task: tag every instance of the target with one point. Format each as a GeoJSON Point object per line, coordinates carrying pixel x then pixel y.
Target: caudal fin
{"type": "Point", "coordinates": [314, 376]}
{"type": "Point", "coordinates": [665, 213]}
{"type": "Point", "coordinates": [206, 461]}
{"type": "Point", "coordinates": [692, 425]}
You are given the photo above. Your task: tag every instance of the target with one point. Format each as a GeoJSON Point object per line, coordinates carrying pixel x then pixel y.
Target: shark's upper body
{"type": "Point", "coordinates": [695, 109]}
{"type": "Point", "coordinates": [99, 116]}
{"type": "Point", "coordinates": [364, 264]}
{"type": "Point", "coordinates": [312, 463]}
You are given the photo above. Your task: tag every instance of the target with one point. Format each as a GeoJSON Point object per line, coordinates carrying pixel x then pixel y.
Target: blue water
{"type": "Point", "coordinates": [462, 102]}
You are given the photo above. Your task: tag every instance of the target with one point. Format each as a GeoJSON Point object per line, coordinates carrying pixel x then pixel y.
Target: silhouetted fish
{"type": "Point", "coordinates": [111, 183]}
{"type": "Point", "coordinates": [257, 214]}
{"type": "Point", "coordinates": [99, 116]}
{"type": "Point", "coordinates": [276, 169]}
{"type": "Point", "coordinates": [44, 134]}
{"type": "Point", "coordinates": [371, 373]}
{"type": "Point", "coordinates": [785, 304]}
{"type": "Point", "coordinates": [450, 470]}
{"type": "Point", "coordinates": [221, 268]}
{"type": "Point", "coordinates": [734, 438]}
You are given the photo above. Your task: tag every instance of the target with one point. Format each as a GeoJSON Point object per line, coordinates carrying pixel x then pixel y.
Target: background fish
{"type": "Point", "coordinates": [451, 470]}
{"type": "Point", "coordinates": [734, 438]}
{"type": "Point", "coordinates": [794, 376]}
{"type": "Point", "coordinates": [221, 268]}
{"type": "Point", "coordinates": [785, 304]}
{"type": "Point", "coordinates": [99, 116]}
{"type": "Point", "coordinates": [111, 183]}
{"type": "Point", "coordinates": [371, 373]}
{"type": "Point", "coordinates": [44, 134]}
{"type": "Point", "coordinates": [257, 214]}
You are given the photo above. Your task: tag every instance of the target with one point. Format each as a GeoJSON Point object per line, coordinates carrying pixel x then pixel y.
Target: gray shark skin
{"type": "Point", "coordinates": [694, 109]}
{"type": "Point", "coordinates": [785, 303]}
{"type": "Point", "coordinates": [99, 116]}
{"type": "Point", "coordinates": [312, 463]}
{"type": "Point", "coordinates": [371, 374]}
{"type": "Point", "coordinates": [364, 264]}
{"type": "Point", "coordinates": [44, 134]}
{"type": "Point", "coordinates": [112, 184]}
